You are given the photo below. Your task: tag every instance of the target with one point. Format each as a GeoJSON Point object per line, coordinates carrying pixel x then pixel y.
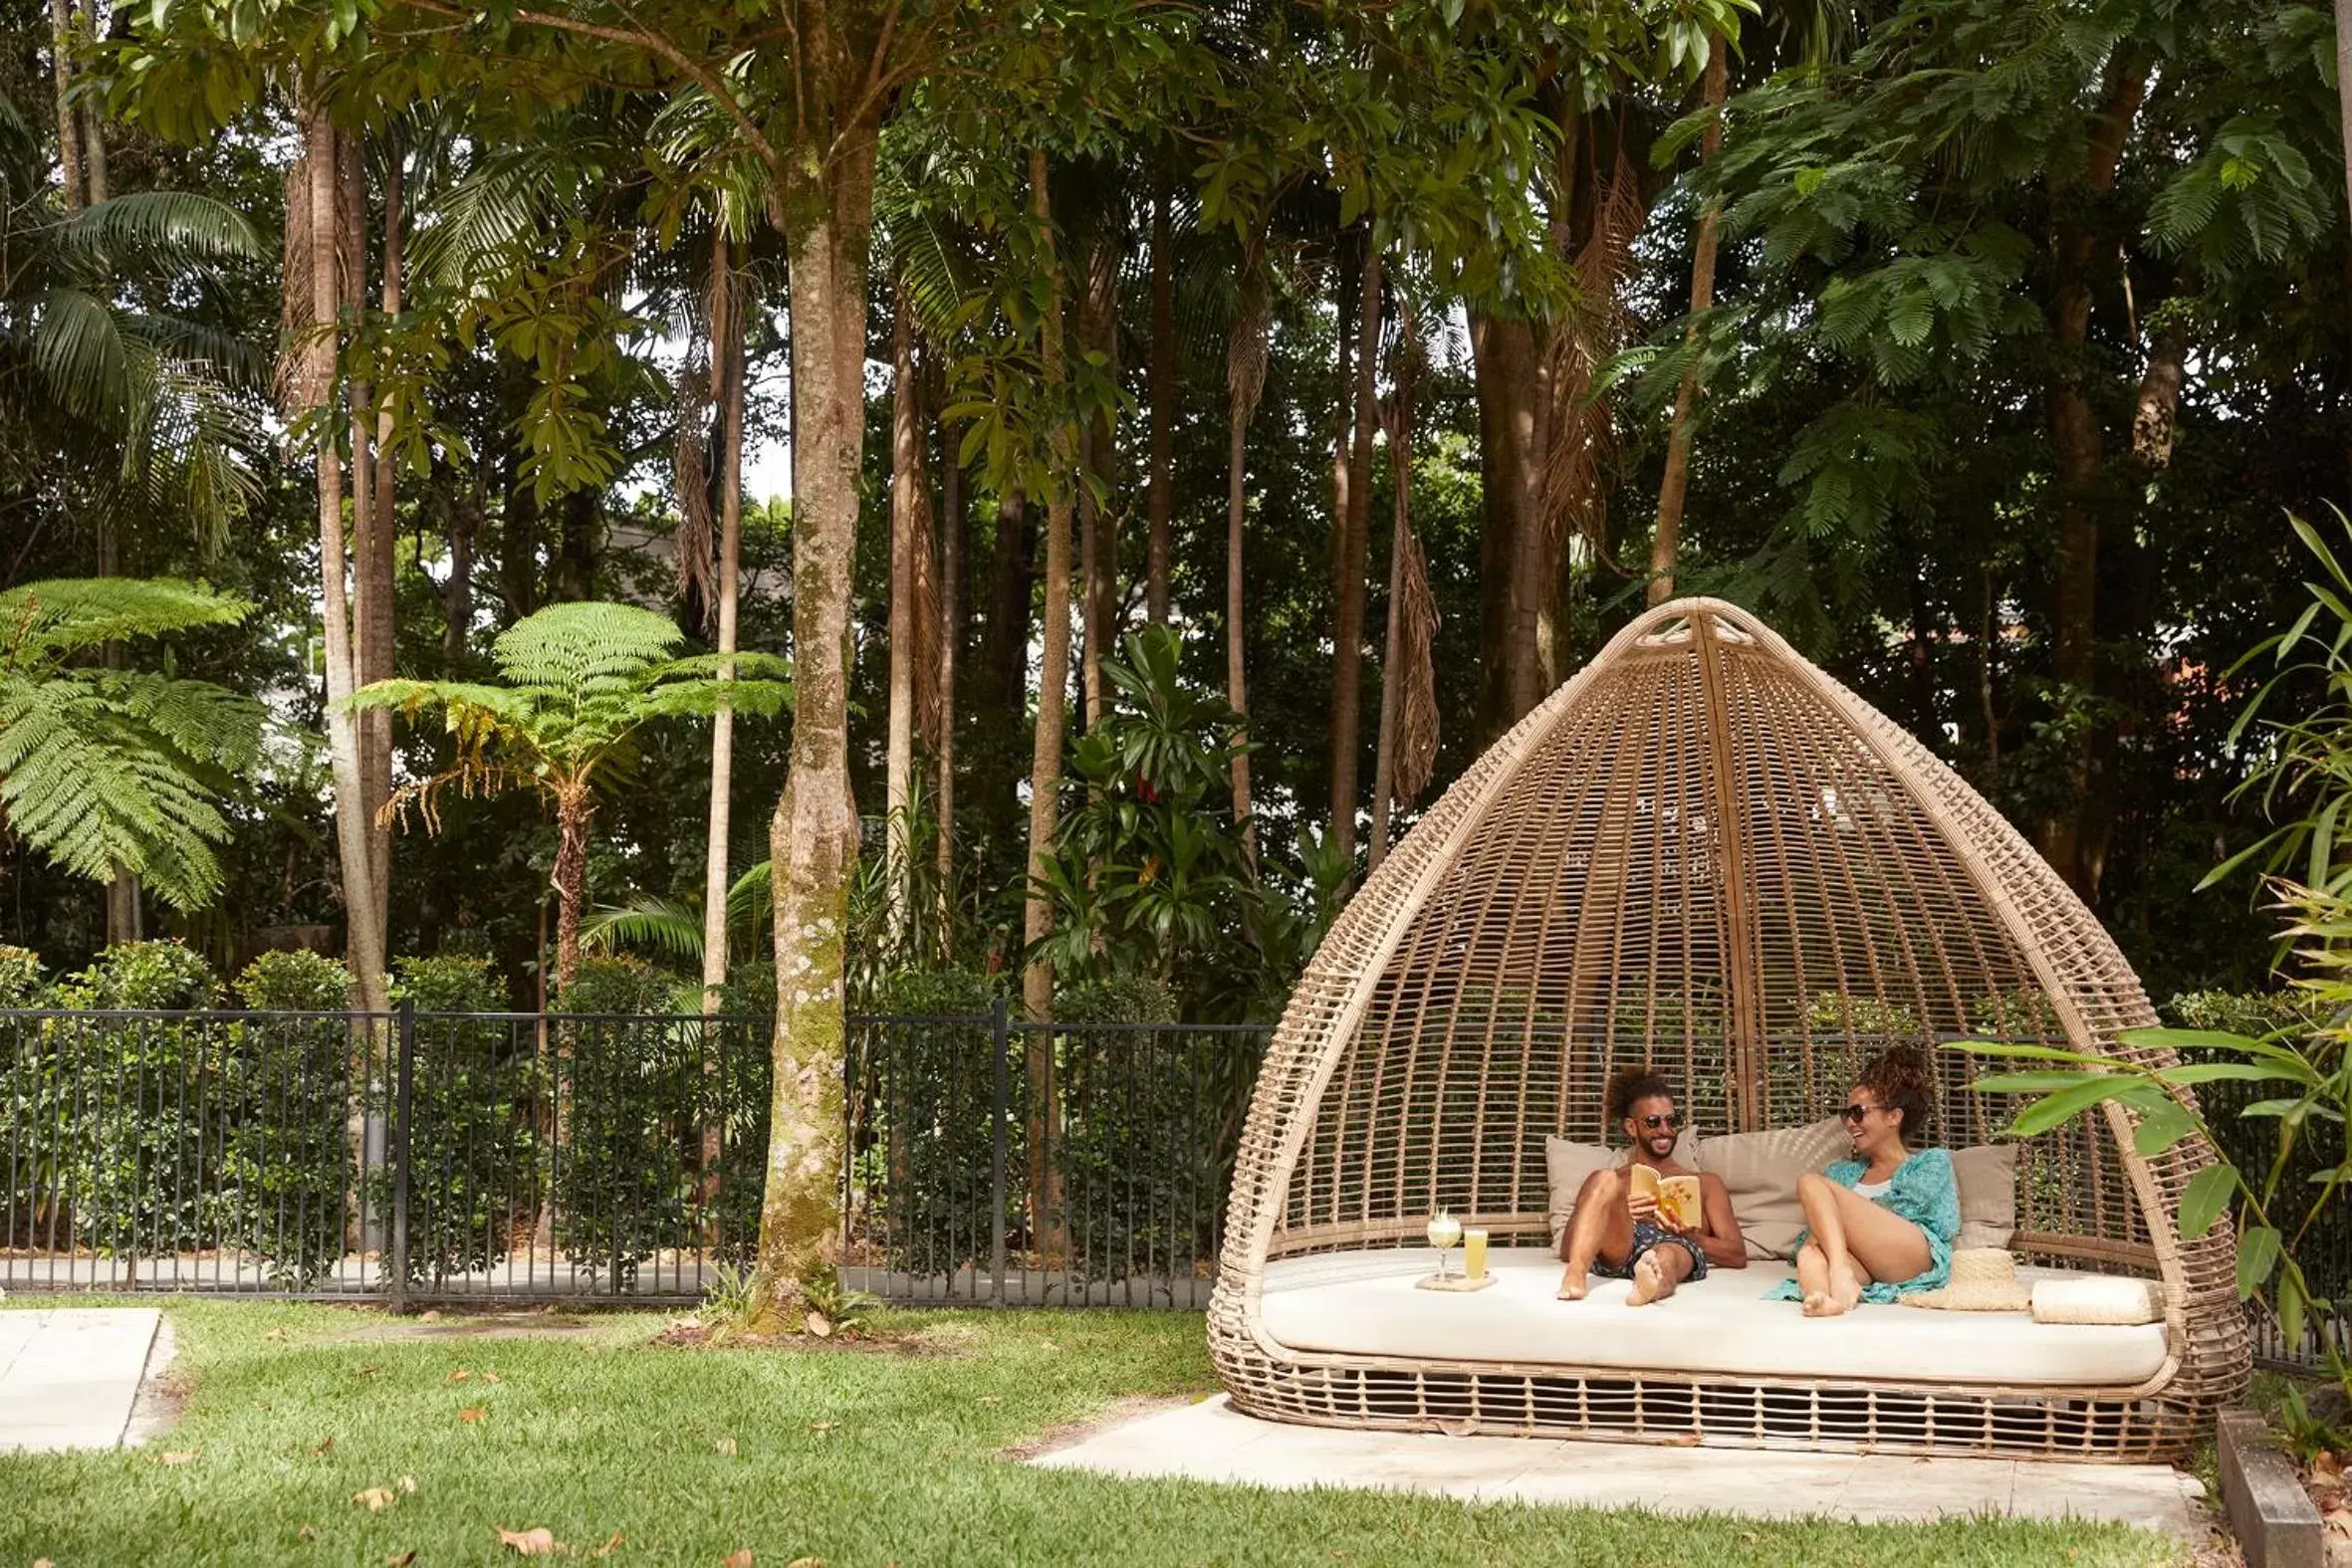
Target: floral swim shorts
{"type": "Point", "coordinates": [1646, 1234]}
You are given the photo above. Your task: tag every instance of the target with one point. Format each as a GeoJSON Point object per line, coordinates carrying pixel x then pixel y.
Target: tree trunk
{"type": "Point", "coordinates": [1004, 665]}
{"type": "Point", "coordinates": [1098, 325]}
{"type": "Point", "coordinates": [380, 595]}
{"type": "Point", "coordinates": [1037, 984]}
{"type": "Point", "coordinates": [364, 935]}
{"type": "Point", "coordinates": [2344, 88]}
{"type": "Point", "coordinates": [457, 597]}
{"type": "Point", "coordinates": [910, 498]}
{"type": "Point", "coordinates": [69, 121]}
{"type": "Point", "coordinates": [951, 633]}
{"type": "Point", "coordinates": [1400, 544]}
{"type": "Point", "coordinates": [1675, 487]}
{"type": "Point", "coordinates": [1506, 368]}
{"type": "Point", "coordinates": [1347, 662]}
{"type": "Point", "coordinates": [813, 837]}
{"type": "Point", "coordinates": [1245, 381]}
{"type": "Point", "coordinates": [575, 546]}
{"type": "Point", "coordinates": [2074, 840]}
{"type": "Point", "coordinates": [94, 141]}
{"type": "Point", "coordinates": [726, 334]}
{"type": "Point", "coordinates": [518, 554]}
{"type": "Point", "coordinates": [1160, 503]}
{"type": "Point", "coordinates": [575, 812]}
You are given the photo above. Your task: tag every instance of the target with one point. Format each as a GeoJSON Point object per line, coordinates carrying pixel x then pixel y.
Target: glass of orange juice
{"type": "Point", "coordinates": [1474, 1254]}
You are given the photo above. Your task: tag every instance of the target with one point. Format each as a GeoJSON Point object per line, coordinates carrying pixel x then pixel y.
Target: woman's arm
{"type": "Point", "coordinates": [1719, 1231]}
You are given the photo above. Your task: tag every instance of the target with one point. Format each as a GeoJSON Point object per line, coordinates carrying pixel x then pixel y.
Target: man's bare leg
{"type": "Point", "coordinates": [1657, 1272]}
{"type": "Point", "coordinates": [1599, 1228]}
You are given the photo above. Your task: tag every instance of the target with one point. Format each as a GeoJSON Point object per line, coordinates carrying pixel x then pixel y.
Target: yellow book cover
{"type": "Point", "coordinates": [1677, 1195]}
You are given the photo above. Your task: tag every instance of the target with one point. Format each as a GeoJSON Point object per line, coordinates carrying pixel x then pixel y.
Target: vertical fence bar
{"type": "Point", "coordinates": [1001, 1030]}
{"type": "Point", "coordinates": [403, 1114]}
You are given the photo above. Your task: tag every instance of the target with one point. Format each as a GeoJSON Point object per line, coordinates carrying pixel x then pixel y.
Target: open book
{"type": "Point", "coordinates": [1677, 1195]}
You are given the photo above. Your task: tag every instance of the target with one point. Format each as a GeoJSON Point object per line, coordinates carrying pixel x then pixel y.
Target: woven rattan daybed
{"type": "Point", "coordinates": [1703, 854]}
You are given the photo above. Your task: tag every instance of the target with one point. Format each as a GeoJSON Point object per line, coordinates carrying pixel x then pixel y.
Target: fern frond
{"type": "Point", "coordinates": [42, 621]}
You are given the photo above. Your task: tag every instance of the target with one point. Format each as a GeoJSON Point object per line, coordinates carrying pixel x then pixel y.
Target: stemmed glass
{"type": "Point", "coordinates": [1444, 1231]}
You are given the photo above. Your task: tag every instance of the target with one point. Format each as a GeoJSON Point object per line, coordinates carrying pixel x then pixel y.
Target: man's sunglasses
{"type": "Point", "coordinates": [1854, 1114]}
{"type": "Point", "coordinates": [1660, 1123]}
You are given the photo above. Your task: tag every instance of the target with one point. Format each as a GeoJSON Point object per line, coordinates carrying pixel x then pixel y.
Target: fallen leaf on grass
{"type": "Point", "coordinates": [806, 1562]}
{"type": "Point", "coordinates": [325, 1446]}
{"type": "Point", "coordinates": [611, 1546]}
{"type": "Point", "coordinates": [276, 1336]}
{"type": "Point", "coordinates": [400, 1559]}
{"type": "Point", "coordinates": [490, 1377]}
{"type": "Point", "coordinates": [375, 1499]}
{"type": "Point", "coordinates": [461, 1374]}
{"type": "Point", "coordinates": [822, 1426]}
{"type": "Point", "coordinates": [539, 1541]}
{"type": "Point", "coordinates": [726, 1445]}
{"type": "Point", "coordinates": [43, 1562]}
{"type": "Point", "coordinates": [992, 1398]}
{"type": "Point", "coordinates": [429, 1317]}
{"type": "Point", "coordinates": [187, 1457]}
{"type": "Point", "coordinates": [408, 1485]}
{"type": "Point", "coordinates": [472, 1415]}
{"type": "Point", "coordinates": [305, 1533]}
{"type": "Point", "coordinates": [366, 1371]}
{"type": "Point", "coordinates": [741, 1559]}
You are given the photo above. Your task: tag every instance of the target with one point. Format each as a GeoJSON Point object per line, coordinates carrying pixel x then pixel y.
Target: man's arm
{"type": "Point", "coordinates": [1719, 1232]}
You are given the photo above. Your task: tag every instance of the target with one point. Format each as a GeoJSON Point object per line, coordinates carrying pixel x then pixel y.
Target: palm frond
{"type": "Point", "coordinates": [172, 228]}
{"type": "Point", "coordinates": [661, 925]}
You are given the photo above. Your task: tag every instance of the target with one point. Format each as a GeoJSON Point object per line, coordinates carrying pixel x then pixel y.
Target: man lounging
{"type": "Point", "coordinates": [1617, 1229]}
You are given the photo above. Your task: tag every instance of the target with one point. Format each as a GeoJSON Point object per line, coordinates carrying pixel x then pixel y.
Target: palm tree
{"type": "Point", "coordinates": [93, 373]}
{"type": "Point", "coordinates": [580, 680]}
{"type": "Point", "coordinates": [105, 769]}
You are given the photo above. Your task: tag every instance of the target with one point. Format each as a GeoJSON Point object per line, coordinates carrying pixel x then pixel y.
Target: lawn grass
{"type": "Point", "coordinates": [857, 1458]}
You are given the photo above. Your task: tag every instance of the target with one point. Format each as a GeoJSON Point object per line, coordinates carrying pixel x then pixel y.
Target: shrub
{"type": "Point", "coordinates": [295, 981]}
{"type": "Point", "coordinates": [629, 1089]}
{"type": "Point", "coordinates": [921, 1100]}
{"type": "Point", "coordinates": [473, 1143]}
{"type": "Point", "coordinates": [288, 1165]}
{"type": "Point", "coordinates": [19, 978]}
{"type": "Point", "coordinates": [146, 1099]}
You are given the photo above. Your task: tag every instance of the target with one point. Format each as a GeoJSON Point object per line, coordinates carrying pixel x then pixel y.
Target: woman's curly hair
{"type": "Point", "coordinates": [1632, 1086]}
{"type": "Point", "coordinates": [1903, 1080]}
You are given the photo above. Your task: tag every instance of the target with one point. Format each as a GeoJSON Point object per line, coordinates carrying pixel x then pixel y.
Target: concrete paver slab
{"type": "Point", "coordinates": [1212, 1442]}
{"type": "Point", "coordinates": [73, 1377]}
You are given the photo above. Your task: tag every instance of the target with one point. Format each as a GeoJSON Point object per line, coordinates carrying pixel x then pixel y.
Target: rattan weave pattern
{"type": "Point", "coordinates": [1704, 854]}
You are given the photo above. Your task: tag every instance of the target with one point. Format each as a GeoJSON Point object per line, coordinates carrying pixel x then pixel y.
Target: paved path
{"type": "Point", "coordinates": [70, 1377]}
{"type": "Point", "coordinates": [1213, 1442]}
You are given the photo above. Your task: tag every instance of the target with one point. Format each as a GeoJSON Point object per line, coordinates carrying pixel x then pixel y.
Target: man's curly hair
{"type": "Point", "coordinates": [1632, 1086]}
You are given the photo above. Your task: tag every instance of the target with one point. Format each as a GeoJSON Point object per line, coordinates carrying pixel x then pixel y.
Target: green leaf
{"type": "Point", "coordinates": [2161, 1128]}
{"type": "Point", "coordinates": [2207, 1193]}
{"type": "Point", "coordinates": [2055, 1110]}
{"type": "Point", "coordinates": [2257, 1258]}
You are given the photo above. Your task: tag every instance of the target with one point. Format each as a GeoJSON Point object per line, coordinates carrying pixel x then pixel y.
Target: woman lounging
{"type": "Point", "coordinates": [1881, 1224]}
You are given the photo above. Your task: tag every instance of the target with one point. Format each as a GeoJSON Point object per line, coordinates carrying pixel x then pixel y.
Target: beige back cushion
{"type": "Point", "coordinates": [1987, 1178]}
{"type": "Point", "coordinates": [1760, 1170]}
{"type": "Point", "coordinates": [1566, 1165]}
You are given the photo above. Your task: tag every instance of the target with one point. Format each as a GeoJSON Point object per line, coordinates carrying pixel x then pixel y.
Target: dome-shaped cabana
{"type": "Point", "coordinates": [1704, 854]}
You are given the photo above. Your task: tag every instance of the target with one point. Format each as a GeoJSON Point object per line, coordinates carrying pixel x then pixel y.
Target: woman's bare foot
{"type": "Point", "coordinates": [1651, 1281]}
{"type": "Point", "coordinates": [1573, 1286]}
{"type": "Point", "coordinates": [1818, 1304]}
{"type": "Point", "coordinates": [1845, 1287]}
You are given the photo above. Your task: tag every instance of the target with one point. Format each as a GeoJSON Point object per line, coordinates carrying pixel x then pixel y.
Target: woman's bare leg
{"type": "Point", "coordinates": [1599, 1228]}
{"type": "Point", "coordinates": [1813, 1279]}
{"type": "Point", "coordinates": [1860, 1241]}
{"type": "Point", "coordinates": [1658, 1271]}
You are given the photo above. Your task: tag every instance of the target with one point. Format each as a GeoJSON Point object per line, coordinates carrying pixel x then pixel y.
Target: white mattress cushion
{"type": "Point", "coordinates": [1365, 1303]}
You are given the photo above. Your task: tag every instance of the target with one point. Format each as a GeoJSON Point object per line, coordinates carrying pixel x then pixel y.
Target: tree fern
{"type": "Point", "coordinates": [104, 769]}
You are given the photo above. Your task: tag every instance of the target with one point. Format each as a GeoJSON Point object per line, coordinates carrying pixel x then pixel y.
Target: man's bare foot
{"type": "Point", "coordinates": [1651, 1281]}
{"type": "Point", "coordinates": [1845, 1287]}
{"type": "Point", "coordinates": [1573, 1286]}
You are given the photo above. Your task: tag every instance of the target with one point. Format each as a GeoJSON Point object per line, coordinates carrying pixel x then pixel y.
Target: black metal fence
{"type": "Point", "coordinates": [417, 1156]}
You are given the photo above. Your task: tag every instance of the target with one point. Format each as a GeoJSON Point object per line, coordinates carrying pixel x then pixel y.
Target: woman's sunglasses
{"type": "Point", "coordinates": [1661, 1123]}
{"type": "Point", "coordinates": [1854, 1114]}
